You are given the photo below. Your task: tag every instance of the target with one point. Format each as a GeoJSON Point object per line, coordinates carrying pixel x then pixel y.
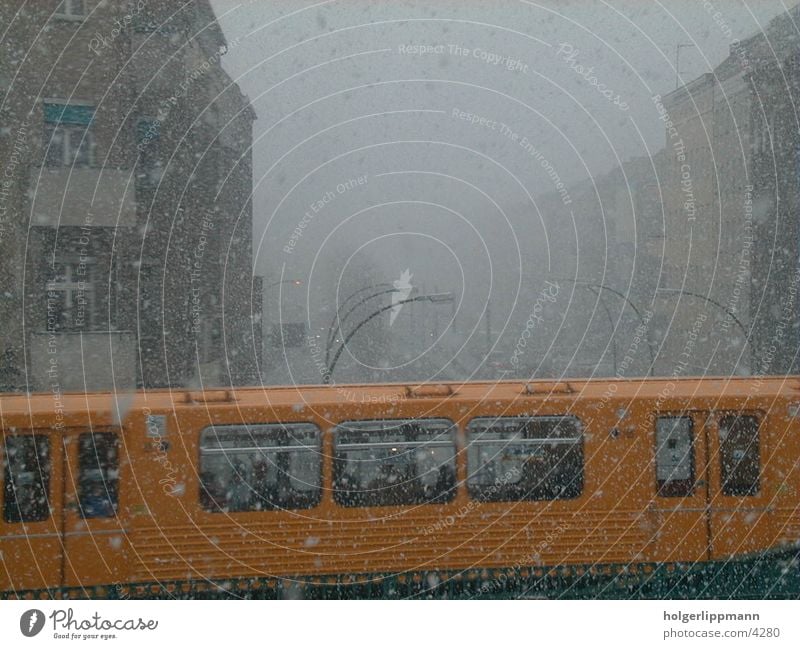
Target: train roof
{"type": "Point", "coordinates": [343, 394]}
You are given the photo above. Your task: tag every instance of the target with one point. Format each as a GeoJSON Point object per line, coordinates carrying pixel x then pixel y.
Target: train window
{"type": "Point", "coordinates": [395, 462]}
{"type": "Point", "coordinates": [261, 467]}
{"type": "Point", "coordinates": [739, 457]}
{"type": "Point", "coordinates": [26, 486]}
{"type": "Point", "coordinates": [525, 458]}
{"type": "Point", "coordinates": [98, 479]}
{"type": "Point", "coordinates": [674, 456]}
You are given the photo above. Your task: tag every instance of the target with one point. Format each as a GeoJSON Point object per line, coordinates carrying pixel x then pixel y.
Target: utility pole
{"type": "Point", "coordinates": [678, 61]}
{"type": "Point", "coordinates": [488, 325]}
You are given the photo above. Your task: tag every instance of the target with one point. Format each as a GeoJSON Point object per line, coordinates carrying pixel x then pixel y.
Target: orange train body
{"type": "Point", "coordinates": [162, 534]}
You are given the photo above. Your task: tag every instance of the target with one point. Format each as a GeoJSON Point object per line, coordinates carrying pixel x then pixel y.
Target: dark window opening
{"type": "Point", "coordinates": [26, 486]}
{"type": "Point", "coordinates": [71, 303]}
{"type": "Point", "coordinates": [68, 139]}
{"type": "Point", "coordinates": [520, 458]}
{"type": "Point", "coordinates": [394, 462]}
{"type": "Point", "coordinates": [71, 8]}
{"type": "Point", "coordinates": [739, 455]}
{"type": "Point", "coordinates": [68, 145]}
{"type": "Point", "coordinates": [98, 475]}
{"type": "Point", "coordinates": [261, 467]}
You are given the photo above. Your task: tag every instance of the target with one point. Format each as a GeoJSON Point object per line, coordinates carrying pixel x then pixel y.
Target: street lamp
{"type": "Point", "coordinates": [627, 300]}
{"type": "Point", "coordinates": [338, 321]}
{"type": "Point", "coordinates": [434, 298]}
{"type": "Point", "coordinates": [296, 282]}
{"type": "Point", "coordinates": [680, 291]}
{"type": "Point", "coordinates": [610, 322]}
{"type": "Point", "coordinates": [265, 289]}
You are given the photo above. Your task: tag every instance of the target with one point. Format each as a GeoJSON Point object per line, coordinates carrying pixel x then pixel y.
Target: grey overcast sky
{"type": "Point", "coordinates": [389, 91]}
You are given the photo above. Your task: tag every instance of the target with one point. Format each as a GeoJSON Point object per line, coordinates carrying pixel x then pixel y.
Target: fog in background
{"type": "Point", "coordinates": [460, 162]}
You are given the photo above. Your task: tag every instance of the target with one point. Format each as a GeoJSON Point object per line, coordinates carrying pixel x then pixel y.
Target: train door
{"type": "Point", "coordinates": [681, 462]}
{"type": "Point", "coordinates": [94, 538]}
{"type": "Point", "coordinates": [31, 522]}
{"type": "Point", "coordinates": [737, 502]}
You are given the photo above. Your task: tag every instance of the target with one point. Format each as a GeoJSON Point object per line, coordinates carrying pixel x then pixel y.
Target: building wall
{"type": "Point", "coordinates": [705, 289]}
{"type": "Point", "coordinates": [775, 145]}
{"type": "Point", "coordinates": [148, 232]}
{"type": "Point", "coordinates": [743, 132]}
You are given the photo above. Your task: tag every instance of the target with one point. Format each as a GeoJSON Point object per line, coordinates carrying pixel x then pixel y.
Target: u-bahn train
{"type": "Point", "coordinates": [574, 489]}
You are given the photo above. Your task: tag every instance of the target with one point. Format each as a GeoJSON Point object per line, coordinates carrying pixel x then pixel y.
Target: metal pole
{"type": "Point", "coordinates": [708, 299]}
{"type": "Point", "coordinates": [613, 328]}
{"type": "Point", "coordinates": [488, 326]}
{"type": "Point", "coordinates": [678, 60]}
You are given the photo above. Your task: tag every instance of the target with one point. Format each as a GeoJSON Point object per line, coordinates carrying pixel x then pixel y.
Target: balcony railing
{"type": "Point", "coordinates": [74, 196]}
{"type": "Point", "coordinates": [85, 361]}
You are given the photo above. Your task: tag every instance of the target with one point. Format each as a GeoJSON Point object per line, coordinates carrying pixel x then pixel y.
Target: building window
{"type": "Point", "coordinates": [26, 474]}
{"type": "Point", "coordinates": [288, 334]}
{"type": "Point", "coordinates": [98, 468]}
{"type": "Point", "coordinates": [739, 456]}
{"type": "Point", "coordinates": [147, 287]}
{"type": "Point", "coordinates": [148, 135]}
{"type": "Point", "coordinates": [148, 129]}
{"type": "Point", "coordinates": [70, 302]}
{"type": "Point", "coordinates": [68, 145]}
{"type": "Point", "coordinates": [394, 462]}
{"type": "Point", "coordinates": [68, 140]}
{"type": "Point", "coordinates": [524, 458]}
{"type": "Point", "coordinates": [261, 467]}
{"type": "Point", "coordinates": [145, 23]}
{"type": "Point", "coordinates": [71, 9]}
{"type": "Point", "coordinates": [674, 456]}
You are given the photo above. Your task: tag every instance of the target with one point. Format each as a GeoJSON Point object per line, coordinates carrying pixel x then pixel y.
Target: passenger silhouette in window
{"type": "Point", "coordinates": [212, 491]}
{"type": "Point", "coordinates": [96, 503]}
{"type": "Point", "coordinates": [444, 489]}
{"type": "Point", "coordinates": [265, 493]}
{"type": "Point", "coordinates": [348, 487]}
{"type": "Point", "coordinates": [239, 492]}
{"type": "Point", "coordinates": [388, 487]}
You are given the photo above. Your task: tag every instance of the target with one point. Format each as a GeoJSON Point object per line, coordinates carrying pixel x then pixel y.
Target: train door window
{"type": "Point", "coordinates": [98, 475]}
{"type": "Point", "coordinates": [26, 478]}
{"type": "Point", "coordinates": [259, 468]}
{"type": "Point", "coordinates": [739, 456]}
{"type": "Point", "coordinates": [674, 456]}
{"type": "Point", "coordinates": [394, 462]}
{"type": "Point", "coordinates": [525, 458]}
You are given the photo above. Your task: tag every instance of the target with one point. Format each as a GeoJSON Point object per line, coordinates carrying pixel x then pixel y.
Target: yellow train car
{"type": "Point", "coordinates": [586, 488]}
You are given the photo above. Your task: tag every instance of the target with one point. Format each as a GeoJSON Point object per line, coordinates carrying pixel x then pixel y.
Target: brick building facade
{"type": "Point", "coordinates": [127, 214]}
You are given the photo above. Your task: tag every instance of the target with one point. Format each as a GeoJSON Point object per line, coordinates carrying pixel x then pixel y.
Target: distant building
{"type": "Point", "coordinates": [606, 265]}
{"type": "Point", "coordinates": [774, 60]}
{"type": "Point", "coordinates": [127, 225]}
{"type": "Point", "coordinates": [704, 289]}
{"type": "Point", "coordinates": [730, 199]}
{"type": "Point", "coordinates": [704, 236]}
